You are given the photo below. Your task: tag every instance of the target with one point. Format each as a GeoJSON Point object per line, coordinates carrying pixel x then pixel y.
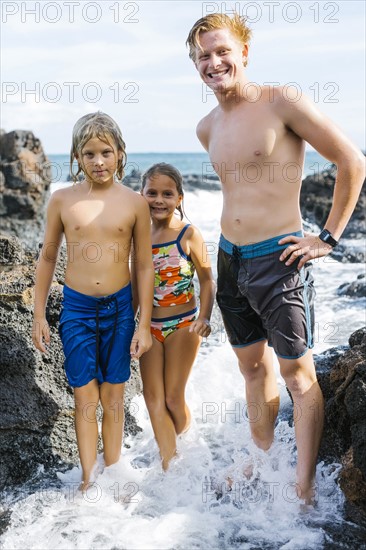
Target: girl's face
{"type": "Point", "coordinates": [162, 195]}
{"type": "Point", "coordinates": [99, 160]}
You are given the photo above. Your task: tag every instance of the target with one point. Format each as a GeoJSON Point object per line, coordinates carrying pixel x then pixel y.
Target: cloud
{"type": "Point", "coordinates": [143, 74]}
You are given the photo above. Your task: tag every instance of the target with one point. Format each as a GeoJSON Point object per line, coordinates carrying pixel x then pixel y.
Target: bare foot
{"type": "Point", "coordinates": [244, 469]}
{"type": "Point", "coordinates": [84, 486]}
{"type": "Point", "coordinates": [307, 494]}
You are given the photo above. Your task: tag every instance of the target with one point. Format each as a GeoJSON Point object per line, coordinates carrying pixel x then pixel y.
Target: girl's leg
{"type": "Point", "coordinates": [181, 349]}
{"type": "Point", "coordinates": [152, 373]}
{"type": "Point", "coordinates": [111, 397]}
{"type": "Point", "coordinates": [86, 402]}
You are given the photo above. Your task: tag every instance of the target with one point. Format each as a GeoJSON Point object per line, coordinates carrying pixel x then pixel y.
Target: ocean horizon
{"type": "Point", "coordinates": [186, 163]}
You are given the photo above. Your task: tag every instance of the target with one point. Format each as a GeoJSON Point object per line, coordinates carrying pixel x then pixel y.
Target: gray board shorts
{"type": "Point", "coordinates": [261, 298]}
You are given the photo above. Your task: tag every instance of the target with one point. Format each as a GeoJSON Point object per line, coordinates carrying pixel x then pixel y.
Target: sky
{"type": "Point", "coordinates": [63, 59]}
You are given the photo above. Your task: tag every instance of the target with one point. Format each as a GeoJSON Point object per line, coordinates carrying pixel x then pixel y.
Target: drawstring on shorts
{"type": "Point", "coordinates": [105, 302]}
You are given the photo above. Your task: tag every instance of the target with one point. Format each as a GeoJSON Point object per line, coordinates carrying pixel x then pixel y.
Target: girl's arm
{"type": "Point", "coordinates": [199, 254]}
{"type": "Point", "coordinates": [143, 271]}
{"type": "Point", "coordinates": [45, 271]}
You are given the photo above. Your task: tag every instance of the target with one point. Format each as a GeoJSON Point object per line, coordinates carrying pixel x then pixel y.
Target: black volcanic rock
{"type": "Point", "coordinates": [25, 178]}
{"type": "Point", "coordinates": [316, 200]}
{"type": "Point", "coordinates": [355, 289]}
{"type": "Point", "coordinates": [191, 182]}
{"type": "Point", "coordinates": [342, 377]}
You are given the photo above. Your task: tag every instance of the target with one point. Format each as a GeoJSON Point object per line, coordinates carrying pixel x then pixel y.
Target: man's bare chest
{"type": "Point", "coordinates": [245, 139]}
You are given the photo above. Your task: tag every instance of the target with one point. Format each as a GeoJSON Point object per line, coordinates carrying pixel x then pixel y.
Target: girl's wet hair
{"type": "Point", "coordinates": [103, 127]}
{"type": "Point", "coordinates": [164, 169]}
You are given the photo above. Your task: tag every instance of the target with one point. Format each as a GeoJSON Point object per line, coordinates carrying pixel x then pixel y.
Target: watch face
{"type": "Point", "coordinates": [327, 238]}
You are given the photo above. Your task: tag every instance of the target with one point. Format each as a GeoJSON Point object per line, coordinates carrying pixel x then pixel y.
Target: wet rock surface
{"type": "Point", "coordinates": [342, 377]}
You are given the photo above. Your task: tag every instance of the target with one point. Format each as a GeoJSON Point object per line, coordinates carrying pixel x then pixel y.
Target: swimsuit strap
{"type": "Point", "coordinates": [182, 232]}
{"type": "Point", "coordinates": [179, 246]}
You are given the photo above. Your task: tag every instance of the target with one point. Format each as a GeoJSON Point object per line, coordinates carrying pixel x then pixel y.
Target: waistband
{"type": "Point", "coordinates": [75, 298]}
{"type": "Point", "coordinates": [254, 250]}
{"type": "Point", "coordinates": [179, 316]}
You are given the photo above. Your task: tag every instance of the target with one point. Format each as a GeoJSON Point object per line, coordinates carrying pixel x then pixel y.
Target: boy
{"type": "Point", "coordinates": [99, 218]}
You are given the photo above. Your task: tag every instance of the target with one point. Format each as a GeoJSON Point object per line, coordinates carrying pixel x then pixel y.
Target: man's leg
{"type": "Point", "coordinates": [86, 401]}
{"type": "Point", "coordinates": [256, 365]}
{"type": "Point", "coordinates": [111, 397]}
{"type": "Point", "coordinates": [300, 377]}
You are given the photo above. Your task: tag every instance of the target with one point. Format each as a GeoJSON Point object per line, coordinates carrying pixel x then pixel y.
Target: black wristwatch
{"type": "Point", "coordinates": [327, 238]}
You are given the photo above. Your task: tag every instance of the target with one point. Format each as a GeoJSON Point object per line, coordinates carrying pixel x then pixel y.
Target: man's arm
{"type": "Point", "coordinates": [305, 120]}
{"type": "Point", "coordinates": [203, 132]}
{"type": "Point", "coordinates": [45, 271]}
{"type": "Point", "coordinates": [144, 276]}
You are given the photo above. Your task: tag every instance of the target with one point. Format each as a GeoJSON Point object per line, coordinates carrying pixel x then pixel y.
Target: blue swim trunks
{"type": "Point", "coordinates": [96, 335]}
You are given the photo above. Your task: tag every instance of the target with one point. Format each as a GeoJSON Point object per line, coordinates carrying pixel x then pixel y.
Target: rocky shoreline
{"type": "Point", "coordinates": [37, 412]}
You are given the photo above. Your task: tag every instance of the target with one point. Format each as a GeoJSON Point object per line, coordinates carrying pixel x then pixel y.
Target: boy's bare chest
{"type": "Point", "coordinates": [99, 220]}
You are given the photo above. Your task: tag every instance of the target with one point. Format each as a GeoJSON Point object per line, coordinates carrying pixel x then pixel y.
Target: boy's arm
{"type": "Point", "coordinates": [199, 254]}
{"type": "Point", "coordinates": [144, 269]}
{"type": "Point", "coordinates": [135, 297]}
{"type": "Point", "coordinates": [304, 119]}
{"type": "Point", "coordinates": [45, 271]}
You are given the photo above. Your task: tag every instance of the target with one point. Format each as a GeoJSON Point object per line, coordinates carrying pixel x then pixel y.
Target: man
{"type": "Point", "coordinates": [256, 141]}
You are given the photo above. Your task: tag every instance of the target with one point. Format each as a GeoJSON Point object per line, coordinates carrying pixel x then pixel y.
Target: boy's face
{"type": "Point", "coordinates": [99, 160]}
{"type": "Point", "coordinates": [220, 61]}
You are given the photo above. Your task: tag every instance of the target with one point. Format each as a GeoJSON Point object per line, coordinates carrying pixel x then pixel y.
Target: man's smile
{"type": "Point", "coordinates": [214, 74]}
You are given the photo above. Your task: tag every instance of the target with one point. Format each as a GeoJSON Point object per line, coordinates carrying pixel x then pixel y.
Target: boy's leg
{"type": "Point", "coordinates": [181, 349]}
{"type": "Point", "coordinates": [256, 365]}
{"type": "Point", "coordinates": [300, 377]}
{"type": "Point", "coordinates": [152, 374]}
{"type": "Point", "coordinates": [111, 397]}
{"type": "Point", "coordinates": [86, 401]}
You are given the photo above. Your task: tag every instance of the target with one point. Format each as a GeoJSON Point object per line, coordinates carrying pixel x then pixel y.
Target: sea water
{"type": "Point", "coordinates": [133, 505]}
{"type": "Point", "coordinates": [187, 163]}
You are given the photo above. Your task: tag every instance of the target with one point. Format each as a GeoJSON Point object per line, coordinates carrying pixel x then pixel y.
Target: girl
{"type": "Point", "coordinates": [96, 322]}
{"type": "Point", "coordinates": [177, 327]}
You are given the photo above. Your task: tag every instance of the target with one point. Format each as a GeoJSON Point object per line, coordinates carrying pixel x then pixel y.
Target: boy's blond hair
{"type": "Point", "coordinates": [215, 21]}
{"type": "Point", "coordinates": [103, 127]}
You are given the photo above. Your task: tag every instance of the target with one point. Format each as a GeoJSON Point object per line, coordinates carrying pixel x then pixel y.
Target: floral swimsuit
{"type": "Point", "coordinates": [174, 272]}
